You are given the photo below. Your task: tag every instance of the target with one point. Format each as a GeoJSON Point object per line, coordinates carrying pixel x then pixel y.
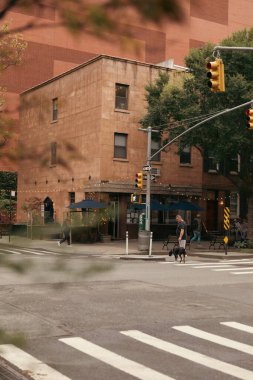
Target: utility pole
{"type": "Point", "coordinates": [148, 185]}
{"type": "Point", "coordinates": [147, 170]}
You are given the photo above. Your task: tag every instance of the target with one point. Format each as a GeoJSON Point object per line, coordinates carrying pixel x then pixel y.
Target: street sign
{"type": "Point", "coordinates": [146, 168]}
{"type": "Point", "coordinates": [225, 240]}
{"type": "Point", "coordinates": [152, 177]}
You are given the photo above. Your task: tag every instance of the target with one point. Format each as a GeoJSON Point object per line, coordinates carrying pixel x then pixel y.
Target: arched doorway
{"type": "Point", "coordinates": [48, 210]}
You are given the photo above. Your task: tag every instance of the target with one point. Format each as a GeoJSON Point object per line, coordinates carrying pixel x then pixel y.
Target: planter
{"type": "Point", "coordinates": [105, 238]}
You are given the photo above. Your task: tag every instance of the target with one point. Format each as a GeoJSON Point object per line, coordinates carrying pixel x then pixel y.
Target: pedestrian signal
{"type": "Point", "coordinates": [139, 180]}
{"type": "Point", "coordinates": [136, 198]}
{"type": "Point", "coordinates": [249, 118]}
{"type": "Point", "coordinates": [216, 75]}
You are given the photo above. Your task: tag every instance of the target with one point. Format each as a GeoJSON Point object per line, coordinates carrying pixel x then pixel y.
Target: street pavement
{"type": "Point", "coordinates": [126, 319]}
{"type": "Point", "coordinates": [117, 248]}
{"type": "Point", "coordinates": [148, 321]}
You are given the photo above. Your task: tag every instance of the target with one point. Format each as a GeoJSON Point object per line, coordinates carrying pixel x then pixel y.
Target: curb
{"type": "Point", "coordinates": [144, 258]}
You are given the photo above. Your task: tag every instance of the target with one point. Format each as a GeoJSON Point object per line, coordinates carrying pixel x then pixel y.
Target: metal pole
{"type": "Point", "coordinates": [241, 48]}
{"type": "Point", "coordinates": [70, 229]}
{"type": "Point", "coordinates": [150, 243]}
{"type": "Point", "coordinates": [10, 220]}
{"type": "Point", "coordinates": [198, 124]}
{"type": "Point", "coordinates": [147, 222]}
{"type": "Point", "coordinates": [126, 242]}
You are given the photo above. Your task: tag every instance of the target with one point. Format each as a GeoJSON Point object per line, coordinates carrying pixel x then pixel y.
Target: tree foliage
{"type": "Point", "coordinates": [176, 107]}
{"type": "Point", "coordinates": [98, 17]}
{"type": "Point", "coordinates": [12, 48]}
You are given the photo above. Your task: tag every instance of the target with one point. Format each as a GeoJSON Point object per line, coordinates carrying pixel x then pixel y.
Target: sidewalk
{"type": "Point", "coordinates": [118, 247]}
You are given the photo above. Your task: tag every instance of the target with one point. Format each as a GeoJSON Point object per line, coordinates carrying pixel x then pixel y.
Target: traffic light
{"type": "Point", "coordinates": [216, 75]}
{"type": "Point", "coordinates": [249, 118]}
{"type": "Point", "coordinates": [139, 180]}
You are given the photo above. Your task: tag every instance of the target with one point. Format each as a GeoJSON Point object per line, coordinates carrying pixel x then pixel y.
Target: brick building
{"type": "Point", "coordinates": [52, 51]}
{"type": "Point", "coordinates": [97, 107]}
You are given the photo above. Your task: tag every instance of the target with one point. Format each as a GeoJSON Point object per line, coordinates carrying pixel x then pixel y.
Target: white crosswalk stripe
{"type": "Point", "coordinates": [36, 369]}
{"type": "Point", "coordinates": [215, 339]}
{"type": "Point", "coordinates": [232, 266]}
{"type": "Point", "coordinates": [238, 326]}
{"type": "Point", "coordinates": [30, 251]}
{"type": "Point", "coordinates": [135, 369]}
{"type": "Point", "coordinates": [21, 251]}
{"type": "Point", "coordinates": [215, 364]}
{"type": "Point", "coordinates": [11, 251]}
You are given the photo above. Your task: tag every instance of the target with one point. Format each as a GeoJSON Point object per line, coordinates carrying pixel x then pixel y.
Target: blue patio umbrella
{"type": "Point", "coordinates": [185, 206]}
{"type": "Point", "coordinates": [87, 203]}
{"type": "Point", "coordinates": [155, 205]}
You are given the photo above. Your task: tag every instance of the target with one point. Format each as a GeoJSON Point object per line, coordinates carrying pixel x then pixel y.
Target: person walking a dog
{"type": "Point", "coordinates": [181, 231]}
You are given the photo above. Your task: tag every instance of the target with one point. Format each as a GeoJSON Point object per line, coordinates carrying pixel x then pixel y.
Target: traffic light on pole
{"type": "Point", "coordinates": [249, 114]}
{"type": "Point", "coordinates": [216, 75]}
{"type": "Point", "coordinates": [139, 180]}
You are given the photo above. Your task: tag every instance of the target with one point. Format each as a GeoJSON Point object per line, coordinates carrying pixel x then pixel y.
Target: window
{"type": "Point", "coordinates": [120, 145]}
{"type": "Point", "coordinates": [234, 205]}
{"type": "Point", "coordinates": [72, 197]}
{"type": "Point", "coordinates": [185, 155]}
{"type": "Point", "coordinates": [234, 165]}
{"type": "Point", "coordinates": [155, 146]}
{"type": "Point", "coordinates": [121, 96]}
{"type": "Point", "coordinates": [53, 153]}
{"type": "Point", "coordinates": [55, 109]}
{"type": "Point", "coordinates": [213, 164]}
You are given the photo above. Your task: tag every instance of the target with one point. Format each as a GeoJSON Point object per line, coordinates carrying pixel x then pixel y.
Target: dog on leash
{"type": "Point", "coordinates": [178, 252]}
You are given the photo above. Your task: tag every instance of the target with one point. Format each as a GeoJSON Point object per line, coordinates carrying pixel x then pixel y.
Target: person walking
{"type": "Point", "coordinates": [196, 227]}
{"type": "Point", "coordinates": [181, 231]}
{"type": "Point", "coordinates": [65, 232]}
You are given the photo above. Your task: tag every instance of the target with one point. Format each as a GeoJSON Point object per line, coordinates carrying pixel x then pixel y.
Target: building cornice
{"type": "Point", "coordinates": [92, 60]}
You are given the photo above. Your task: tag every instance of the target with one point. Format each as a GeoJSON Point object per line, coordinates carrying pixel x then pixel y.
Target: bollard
{"type": "Point", "coordinates": [150, 244]}
{"type": "Point", "coordinates": [126, 242]}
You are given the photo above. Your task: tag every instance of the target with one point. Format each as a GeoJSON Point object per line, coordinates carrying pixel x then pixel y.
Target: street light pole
{"type": "Point", "coordinates": [148, 184]}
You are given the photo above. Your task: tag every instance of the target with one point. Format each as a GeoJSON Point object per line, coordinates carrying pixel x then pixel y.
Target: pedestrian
{"type": "Point", "coordinates": [65, 232]}
{"type": "Point", "coordinates": [238, 230]}
{"type": "Point", "coordinates": [181, 231]}
{"type": "Point", "coordinates": [196, 228]}
{"type": "Point", "coordinates": [244, 229]}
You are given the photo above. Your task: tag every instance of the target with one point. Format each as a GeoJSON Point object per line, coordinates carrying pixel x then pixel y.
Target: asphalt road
{"type": "Point", "coordinates": [103, 318]}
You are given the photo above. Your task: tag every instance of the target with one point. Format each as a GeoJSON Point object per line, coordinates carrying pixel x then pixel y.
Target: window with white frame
{"type": "Point", "coordinates": [155, 146]}
{"type": "Point", "coordinates": [121, 96]}
{"type": "Point", "coordinates": [55, 109]}
{"type": "Point", "coordinates": [185, 155]}
{"type": "Point", "coordinates": [234, 205]}
{"type": "Point", "coordinates": [120, 145]}
{"type": "Point", "coordinates": [234, 165]}
{"type": "Point", "coordinates": [213, 163]}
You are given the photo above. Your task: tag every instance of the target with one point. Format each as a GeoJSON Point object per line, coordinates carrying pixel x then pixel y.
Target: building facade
{"type": "Point", "coordinates": [52, 50]}
{"type": "Point", "coordinates": [81, 131]}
